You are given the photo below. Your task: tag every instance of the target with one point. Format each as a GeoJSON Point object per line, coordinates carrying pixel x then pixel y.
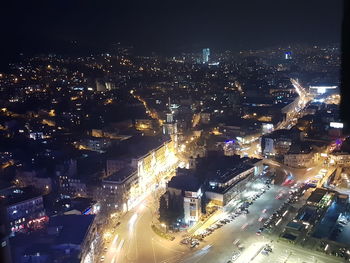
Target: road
{"type": "Point", "coordinates": [284, 253]}
{"type": "Point", "coordinates": [297, 174]}
{"type": "Point", "coordinates": [294, 111]}
{"type": "Point", "coordinates": [136, 241]}
{"type": "Point", "coordinates": [222, 239]}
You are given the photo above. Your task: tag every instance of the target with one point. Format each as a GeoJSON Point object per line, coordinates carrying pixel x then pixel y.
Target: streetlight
{"type": "Point", "coordinates": [163, 225]}
{"type": "Point", "coordinates": [107, 235]}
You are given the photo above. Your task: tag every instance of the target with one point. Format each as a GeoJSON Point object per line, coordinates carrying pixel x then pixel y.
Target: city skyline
{"type": "Point", "coordinates": [83, 27]}
{"type": "Point", "coordinates": [173, 132]}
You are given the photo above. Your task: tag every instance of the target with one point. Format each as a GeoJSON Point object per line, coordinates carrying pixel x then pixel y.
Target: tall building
{"type": "Point", "coordinates": [288, 55]}
{"type": "Point", "coordinates": [5, 251]}
{"type": "Point", "coordinates": [24, 210]}
{"type": "Point", "coordinates": [186, 186]}
{"type": "Point", "coordinates": [152, 165]}
{"type": "Point", "coordinates": [206, 54]}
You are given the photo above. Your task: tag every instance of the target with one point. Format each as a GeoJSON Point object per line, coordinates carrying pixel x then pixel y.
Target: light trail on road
{"type": "Point", "coordinates": [115, 239]}
{"type": "Point", "coordinates": [116, 257]}
{"type": "Point", "coordinates": [132, 221]}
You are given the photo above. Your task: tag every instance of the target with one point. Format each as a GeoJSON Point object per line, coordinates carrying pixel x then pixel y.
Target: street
{"type": "Point", "coordinates": [136, 241]}
{"type": "Point", "coordinates": [283, 252]}
{"type": "Point", "coordinates": [222, 239]}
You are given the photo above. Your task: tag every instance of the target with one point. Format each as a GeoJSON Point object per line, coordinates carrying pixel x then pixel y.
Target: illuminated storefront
{"type": "Point", "coordinates": [147, 173]}
{"type": "Point", "coordinates": [153, 170]}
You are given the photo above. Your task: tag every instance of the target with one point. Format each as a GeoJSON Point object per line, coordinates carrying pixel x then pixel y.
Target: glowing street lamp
{"type": "Point", "coordinates": [107, 235]}
{"type": "Point", "coordinates": [164, 226]}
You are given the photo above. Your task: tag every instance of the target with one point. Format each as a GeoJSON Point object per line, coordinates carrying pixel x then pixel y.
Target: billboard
{"type": "Point", "coordinates": [337, 125]}
{"type": "Point", "coordinates": [321, 89]}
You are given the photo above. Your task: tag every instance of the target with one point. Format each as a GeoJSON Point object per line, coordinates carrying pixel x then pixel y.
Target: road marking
{"type": "Point", "coordinates": [154, 253]}
{"type": "Point", "coordinates": [244, 226]}
{"type": "Point", "coordinates": [171, 249]}
{"type": "Point", "coordinates": [115, 239]}
{"type": "Point", "coordinates": [174, 259]}
{"type": "Point", "coordinates": [201, 254]}
{"type": "Point", "coordinates": [118, 251]}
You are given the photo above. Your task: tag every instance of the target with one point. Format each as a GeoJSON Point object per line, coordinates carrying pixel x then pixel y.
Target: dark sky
{"type": "Point", "coordinates": [167, 26]}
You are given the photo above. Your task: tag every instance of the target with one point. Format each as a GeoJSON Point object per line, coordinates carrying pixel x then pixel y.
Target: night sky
{"type": "Point", "coordinates": [166, 26]}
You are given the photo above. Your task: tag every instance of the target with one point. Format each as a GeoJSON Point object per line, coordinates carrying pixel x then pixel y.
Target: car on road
{"type": "Point", "coordinates": [185, 241]}
{"type": "Point", "coordinates": [267, 248]}
{"type": "Point", "coordinates": [244, 226]}
{"type": "Point", "coordinates": [102, 258]}
{"type": "Point", "coordinates": [240, 247]}
{"type": "Point", "coordinates": [279, 196]}
{"type": "Point", "coordinates": [193, 245]}
{"type": "Point", "coordinates": [235, 255]}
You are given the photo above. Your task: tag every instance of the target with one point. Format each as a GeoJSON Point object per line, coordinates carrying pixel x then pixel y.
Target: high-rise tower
{"type": "Point", "coordinates": [206, 54]}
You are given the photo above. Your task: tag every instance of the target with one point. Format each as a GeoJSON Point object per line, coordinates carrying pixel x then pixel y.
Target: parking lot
{"type": "Point", "coordinates": [255, 190]}
{"type": "Point", "coordinates": [252, 228]}
{"type": "Point", "coordinates": [243, 224]}
{"type": "Point", "coordinates": [284, 253]}
{"type": "Point", "coordinates": [253, 224]}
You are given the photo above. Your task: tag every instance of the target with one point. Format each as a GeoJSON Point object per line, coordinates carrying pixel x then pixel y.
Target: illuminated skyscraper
{"type": "Point", "coordinates": [288, 55]}
{"type": "Point", "coordinates": [206, 54]}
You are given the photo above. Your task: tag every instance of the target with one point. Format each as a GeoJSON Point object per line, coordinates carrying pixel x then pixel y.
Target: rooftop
{"type": "Point", "coordinates": [185, 182]}
{"type": "Point", "coordinates": [223, 176]}
{"type": "Point", "coordinates": [220, 169]}
{"type": "Point", "coordinates": [300, 148]}
{"type": "Point", "coordinates": [317, 195]}
{"type": "Point", "coordinates": [141, 145]}
{"type": "Point", "coordinates": [284, 133]}
{"type": "Point", "coordinates": [19, 195]}
{"type": "Point", "coordinates": [294, 226]}
{"type": "Point", "coordinates": [122, 174]}
{"type": "Point", "coordinates": [306, 214]}
{"type": "Point", "coordinates": [138, 146]}
{"type": "Point", "coordinates": [73, 228]}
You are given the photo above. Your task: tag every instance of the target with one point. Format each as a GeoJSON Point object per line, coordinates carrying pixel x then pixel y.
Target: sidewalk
{"type": "Point", "coordinates": [206, 223]}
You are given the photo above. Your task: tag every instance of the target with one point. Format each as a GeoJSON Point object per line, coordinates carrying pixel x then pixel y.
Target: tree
{"type": "Point", "coordinates": [163, 209]}
{"type": "Point", "coordinates": [170, 208]}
